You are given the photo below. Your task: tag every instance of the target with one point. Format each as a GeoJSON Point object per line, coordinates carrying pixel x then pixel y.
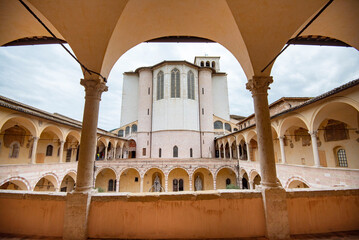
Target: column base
{"type": "Point", "coordinates": [276, 213]}
{"type": "Point", "coordinates": [76, 215]}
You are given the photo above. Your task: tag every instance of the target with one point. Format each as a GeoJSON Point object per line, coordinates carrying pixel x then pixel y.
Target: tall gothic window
{"type": "Point", "coordinates": [110, 185]}
{"type": "Point", "coordinates": [342, 158]}
{"type": "Point", "coordinates": [175, 151]}
{"type": "Point", "coordinates": [175, 83]}
{"type": "Point", "coordinates": [160, 85]}
{"type": "Point", "coordinates": [134, 128]}
{"type": "Point", "coordinates": [190, 85]}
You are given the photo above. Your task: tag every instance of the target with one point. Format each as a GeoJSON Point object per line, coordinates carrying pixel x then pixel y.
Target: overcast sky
{"type": "Point", "coordinates": [46, 77]}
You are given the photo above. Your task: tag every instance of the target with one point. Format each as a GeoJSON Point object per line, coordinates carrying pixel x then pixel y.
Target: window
{"type": "Point", "coordinates": [235, 129]}
{"type": "Point", "coordinates": [149, 91]}
{"type": "Point", "coordinates": [228, 127]}
{"type": "Point", "coordinates": [190, 85]}
{"type": "Point", "coordinates": [143, 151]}
{"type": "Point", "coordinates": [180, 187]}
{"type": "Point", "coordinates": [68, 155]}
{"type": "Point", "coordinates": [120, 133]}
{"type": "Point", "coordinates": [110, 185]}
{"type": "Point", "coordinates": [228, 181]}
{"type": "Point", "coordinates": [202, 111]}
{"type": "Point", "coordinates": [202, 90]}
{"type": "Point", "coordinates": [213, 64]}
{"type": "Point", "coordinates": [136, 179]}
{"type": "Point", "coordinates": [160, 85]}
{"type": "Point", "coordinates": [134, 128]}
{"type": "Point", "coordinates": [342, 158]}
{"type": "Point", "coordinates": [175, 185]}
{"type": "Point", "coordinates": [127, 131]}
{"type": "Point", "coordinates": [207, 64]}
{"type": "Point", "coordinates": [148, 111]}
{"type": "Point", "coordinates": [218, 125]}
{"type": "Point", "coordinates": [14, 150]}
{"type": "Point", "coordinates": [49, 150]}
{"type": "Point", "coordinates": [175, 83]}
{"type": "Point", "coordinates": [175, 151]}
{"type": "Point", "coordinates": [160, 152]}
{"type": "Point", "coordinates": [190, 152]}
{"type": "Point", "coordinates": [202, 64]}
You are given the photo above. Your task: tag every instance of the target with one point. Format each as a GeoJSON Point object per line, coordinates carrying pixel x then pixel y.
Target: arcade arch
{"type": "Point", "coordinates": [130, 180]}
{"type": "Point", "coordinates": [105, 180]}
{"type": "Point", "coordinates": [206, 179]}
{"type": "Point", "coordinates": [178, 180]}
{"type": "Point", "coordinates": [226, 178]}
{"type": "Point", "coordinates": [49, 182]}
{"type": "Point", "coordinates": [149, 180]}
{"type": "Point", "coordinates": [15, 183]}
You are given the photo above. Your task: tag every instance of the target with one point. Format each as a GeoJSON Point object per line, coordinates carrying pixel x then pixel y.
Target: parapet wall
{"type": "Point", "coordinates": [207, 214]}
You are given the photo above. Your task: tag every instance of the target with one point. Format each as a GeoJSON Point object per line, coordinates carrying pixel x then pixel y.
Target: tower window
{"type": "Point", "coordinates": [175, 84]}
{"type": "Point", "coordinates": [190, 85]}
{"type": "Point", "coordinates": [175, 151]}
{"type": "Point", "coordinates": [160, 152]}
{"type": "Point", "coordinates": [190, 152]}
{"type": "Point", "coordinates": [160, 85]}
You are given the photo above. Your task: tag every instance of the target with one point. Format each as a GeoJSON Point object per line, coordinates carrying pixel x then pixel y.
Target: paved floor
{"type": "Point", "coordinates": [352, 235]}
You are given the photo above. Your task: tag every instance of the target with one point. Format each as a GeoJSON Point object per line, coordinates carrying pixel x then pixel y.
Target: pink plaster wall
{"type": "Point", "coordinates": [320, 212]}
{"type": "Point", "coordinates": [37, 215]}
{"type": "Point", "coordinates": [157, 217]}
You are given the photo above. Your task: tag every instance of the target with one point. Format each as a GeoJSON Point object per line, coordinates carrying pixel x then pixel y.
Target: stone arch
{"type": "Point", "coordinates": [130, 180]}
{"type": "Point", "coordinates": [297, 120]}
{"type": "Point", "coordinates": [339, 103]}
{"type": "Point", "coordinates": [103, 177]}
{"type": "Point", "coordinates": [177, 174]}
{"type": "Point", "coordinates": [76, 134]}
{"type": "Point", "coordinates": [68, 181]}
{"type": "Point", "coordinates": [172, 168]}
{"type": "Point", "coordinates": [223, 167]}
{"type": "Point", "coordinates": [250, 135]}
{"type": "Point", "coordinates": [51, 177]}
{"type": "Point", "coordinates": [19, 181]}
{"type": "Point", "coordinates": [202, 172]}
{"type": "Point", "coordinates": [252, 174]}
{"type": "Point", "coordinates": [55, 129]}
{"type": "Point", "coordinates": [28, 123]}
{"type": "Point", "coordinates": [296, 178]}
{"type": "Point", "coordinates": [149, 177]}
{"type": "Point", "coordinates": [222, 178]}
{"type": "Point", "coordinates": [107, 167]}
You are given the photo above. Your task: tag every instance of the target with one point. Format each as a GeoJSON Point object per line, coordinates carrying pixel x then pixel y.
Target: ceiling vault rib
{"type": "Point", "coordinates": [53, 35]}
{"type": "Point", "coordinates": [300, 32]}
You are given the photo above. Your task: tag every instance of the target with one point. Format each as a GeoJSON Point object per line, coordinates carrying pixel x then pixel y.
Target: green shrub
{"type": "Point", "coordinates": [231, 186]}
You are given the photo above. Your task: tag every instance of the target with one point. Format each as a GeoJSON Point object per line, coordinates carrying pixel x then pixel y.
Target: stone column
{"type": "Point", "coordinates": [214, 183]}
{"type": "Point", "coordinates": [121, 152]}
{"type": "Point", "coordinates": [224, 152]}
{"type": "Point", "coordinates": [251, 184]}
{"type": "Point", "coordinates": [141, 184]}
{"type": "Point", "coordinates": [62, 143]}
{"type": "Point", "coordinates": [190, 183]}
{"type": "Point", "coordinates": [230, 152]}
{"type": "Point", "coordinates": [166, 183]}
{"type": "Point", "coordinates": [259, 87]}
{"type": "Point", "coordinates": [114, 153]}
{"type": "Point", "coordinates": [281, 144]}
{"type": "Point", "coordinates": [78, 202]}
{"type": "Point", "coordinates": [106, 147]}
{"type": "Point", "coordinates": [274, 197]}
{"type": "Point", "coordinates": [313, 135]}
{"type": "Point", "coordinates": [220, 153]}
{"type": "Point", "coordinates": [118, 185]}
{"type": "Point", "coordinates": [34, 148]}
{"type": "Point", "coordinates": [248, 152]}
{"type": "Point", "coordinates": [237, 152]}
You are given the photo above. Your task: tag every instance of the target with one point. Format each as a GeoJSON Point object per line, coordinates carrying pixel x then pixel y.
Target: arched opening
{"type": "Point", "coordinates": [297, 184]}
{"type": "Point", "coordinates": [178, 180]}
{"type": "Point", "coordinates": [226, 179]}
{"type": "Point", "coordinates": [256, 181]}
{"type": "Point", "coordinates": [100, 151]}
{"type": "Point", "coordinates": [14, 184]}
{"type": "Point", "coordinates": [106, 180]}
{"type": "Point", "coordinates": [47, 183]}
{"type": "Point", "coordinates": [245, 184]}
{"type": "Point", "coordinates": [202, 180]}
{"type": "Point", "coordinates": [67, 184]}
{"type": "Point", "coordinates": [154, 181]}
{"type": "Point", "coordinates": [50, 139]}
{"type": "Point", "coordinates": [131, 148]}
{"type": "Point", "coordinates": [130, 180]}
{"type": "Point", "coordinates": [16, 141]}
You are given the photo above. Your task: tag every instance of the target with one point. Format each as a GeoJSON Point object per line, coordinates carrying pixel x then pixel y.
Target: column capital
{"type": "Point", "coordinates": [94, 87]}
{"type": "Point", "coordinates": [259, 84]}
{"type": "Point", "coordinates": [281, 137]}
{"type": "Point", "coordinates": [313, 133]}
{"type": "Point", "coordinates": [35, 138]}
{"type": "Point", "coordinates": [62, 142]}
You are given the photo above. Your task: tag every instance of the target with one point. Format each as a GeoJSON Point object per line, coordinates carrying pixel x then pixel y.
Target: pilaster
{"type": "Point", "coordinates": [313, 136]}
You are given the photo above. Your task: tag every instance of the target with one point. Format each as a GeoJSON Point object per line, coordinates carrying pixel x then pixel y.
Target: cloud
{"type": "Point", "coordinates": [46, 77]}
